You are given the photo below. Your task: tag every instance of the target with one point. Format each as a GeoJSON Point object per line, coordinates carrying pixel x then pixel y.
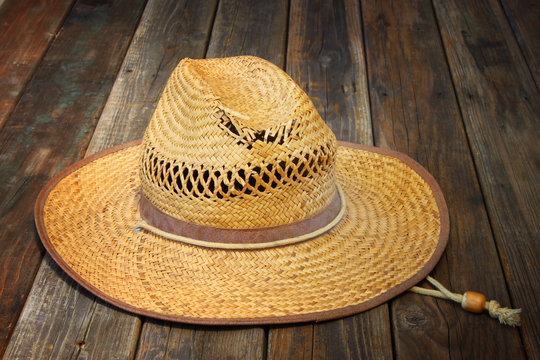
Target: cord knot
{"type": "Point", "coordinates": [504, 315]}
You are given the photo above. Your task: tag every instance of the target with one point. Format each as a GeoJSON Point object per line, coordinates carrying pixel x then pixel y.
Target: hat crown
{"type": "Point", "coordinates": [235, 143]}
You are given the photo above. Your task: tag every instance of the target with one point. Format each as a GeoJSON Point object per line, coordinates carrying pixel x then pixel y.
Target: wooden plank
{"type": "Point", "coordinates": [27, 28]}
{"type": "Point", "coordinates": [325, 56]}
{"type": "Point", "coordinates": [77, 317]}
{"type": "Point", "coordinates": [165, 341]}
{"type": "Point", "coordinates": [167, 33]}
{"type": "Point", "coordinates": [154, 340]}
{"type": "Point", "coordinates": [290, 342]}
{"type": "Point", "coordinates": [354, 337]}
{"type": "Point", "coordinates": [363, 335]}
{"type": "Point", "coordinates": [415, 111]}
{"type": "Point", "coordinates": [154, 52]}
{"type": "Point", "coordinates": [229, 343]}
{"type": "Point", "coordinates": [524, 17]}
{"type": "Point", "coordinates": [500, 105]}
{"type": "Point", "coordinates": [36, 329]}
{"type": "Point", "coordinates": [256, 27]}
{"type": "Point", "coordinates": [49, 128]}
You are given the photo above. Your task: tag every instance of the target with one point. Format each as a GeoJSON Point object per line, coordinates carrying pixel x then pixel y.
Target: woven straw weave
{"type": "Point", "coordinates": [235, 143]}
{"type": "Point", "coordinates": [390, 232]}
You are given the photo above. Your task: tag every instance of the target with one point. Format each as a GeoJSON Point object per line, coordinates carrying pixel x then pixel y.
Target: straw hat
{"type": "Point", "coordinates": [240, 207]}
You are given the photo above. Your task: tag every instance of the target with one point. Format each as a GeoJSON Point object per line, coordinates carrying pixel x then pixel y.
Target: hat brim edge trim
{"type": "Point", "coordinates": [286, 319]}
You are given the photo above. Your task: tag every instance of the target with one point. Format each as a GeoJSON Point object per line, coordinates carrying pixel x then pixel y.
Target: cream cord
{"type": "Point", "coordinates": [504, 315]}
{"type": "Point", "coordinates": [144, 225]}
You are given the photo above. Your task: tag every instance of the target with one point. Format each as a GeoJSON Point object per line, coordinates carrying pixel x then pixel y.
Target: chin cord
{"type": "Point", "coordinates": [473, 302]}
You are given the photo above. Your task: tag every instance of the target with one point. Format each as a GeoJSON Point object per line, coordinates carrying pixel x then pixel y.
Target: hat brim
{"type": "Point", "coordinates": [393, 234]}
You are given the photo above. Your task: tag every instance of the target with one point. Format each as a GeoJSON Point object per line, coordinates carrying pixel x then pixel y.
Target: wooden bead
{"type": "Point", "coordinates": [473, 302]}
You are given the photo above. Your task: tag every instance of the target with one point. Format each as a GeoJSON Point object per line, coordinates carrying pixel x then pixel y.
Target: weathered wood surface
{"type": "Point", "coordinates": [444, 82]}
{"type": "Point", "coordinates": [154, 49]}
{"type": "Point", "coordinates": [415, 112]}
{"type": "Point", "coordinates": [500, 105]}
{"type": "Point", "coordinates": [256, 28]}
{"type": "Point", "coordinates": [168, 32]}
{"type": "Point", "coordinates": [27, 27]}
{"type": "Point", "coordinates": [524, 17]}
{"type": "Point", "coordinates": [50, 128]}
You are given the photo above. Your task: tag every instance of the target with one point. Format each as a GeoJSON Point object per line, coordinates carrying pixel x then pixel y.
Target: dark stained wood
{"type": "Point", "coordinates": [524, 17]}
{"type": "Point", "coordinates": [168, 32]}
{"type": "Point", "coordinates": [355, 337]}
{"type": "Point", "coordinates": [290, 342]}
{"type": "Point", "coordinates": [329, 341]}
{"type": "Point", "coordinates": [109, 333]}
{"type": "Point", "coordinates": [154, 52]}
{"type": "Point", "coordinates": [415, 111]}
{"type": "Point", "coordinates": [177, 341]}
{"type": "Point", "coordinates": [229, 343]}
{"type": "Point", "coordinates": [50, 128]}
{"type": "Point", "coordinates": [27, 27]}
{"type": "Point", "coordinates": [161, 340]}
{"type": "Point", "coordinates": [363, 335]}
{"type": "Point", "coordinates": [35, 330]}
{"type": "Point", "coordinates": [72, 325]}
{"type": "Point", "coordinates": [256, 27]}
{"type": "Point", "coordinates": [500, 105]}
{"type": "Point", "coordinates": [154, 339]}
{"type": "Point", "coordinates": [182, 341]}
{"type": "Point", "coordinates": [325, 56]}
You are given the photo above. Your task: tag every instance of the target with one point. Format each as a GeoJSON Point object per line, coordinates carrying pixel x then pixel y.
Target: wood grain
{"type": "Point", "coordinates": [415, 111]}
{"type": "Point", "coordinates": [355, 337]}
{"type": "Point", "coordinates": [257, 27]}
{"type": "Point", "coordinates": [500, 105]}
{"type": "Point", "coordinates": [325, 56]}
{"type": "Point", "coordinates": [524, 17]}
{"type": "Point", "coordinates": [50, 128]}
{"type": "Point", "coordinates": [177, 341]}
{"type": "Point", "coordinates": [154, 339]}
{"type": "Point", "coordinates": [168, 32]}
{"type": "Point", "coordinates": [290, 342]}
{"type": "Point", "coordinates": [77, 317]}
{"type": "Point", "coordinates": [35, 330]}
{"type": "Point", "coordinates": [199, 18]}
{"type": "Point", "coordinates": [158, 49]}
{"type": "Point", "coordinates": [27, 28]}
{"type": "Point", "coordinates": [161, 340]}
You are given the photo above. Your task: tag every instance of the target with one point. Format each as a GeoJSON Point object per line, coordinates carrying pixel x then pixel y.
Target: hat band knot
{"type": "Point", "coordinates": [156, 221]}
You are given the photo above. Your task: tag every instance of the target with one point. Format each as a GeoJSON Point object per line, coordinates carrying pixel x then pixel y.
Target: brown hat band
{"type": "Point", "coordinates": [165, 225]}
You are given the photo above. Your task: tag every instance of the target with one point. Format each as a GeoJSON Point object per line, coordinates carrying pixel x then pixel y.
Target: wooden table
{"type": "Point", "coordinates": [454, 84]}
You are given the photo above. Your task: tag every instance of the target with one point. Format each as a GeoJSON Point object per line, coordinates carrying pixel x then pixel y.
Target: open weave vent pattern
{"type": "Point", "coordinates": [235, 143]}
